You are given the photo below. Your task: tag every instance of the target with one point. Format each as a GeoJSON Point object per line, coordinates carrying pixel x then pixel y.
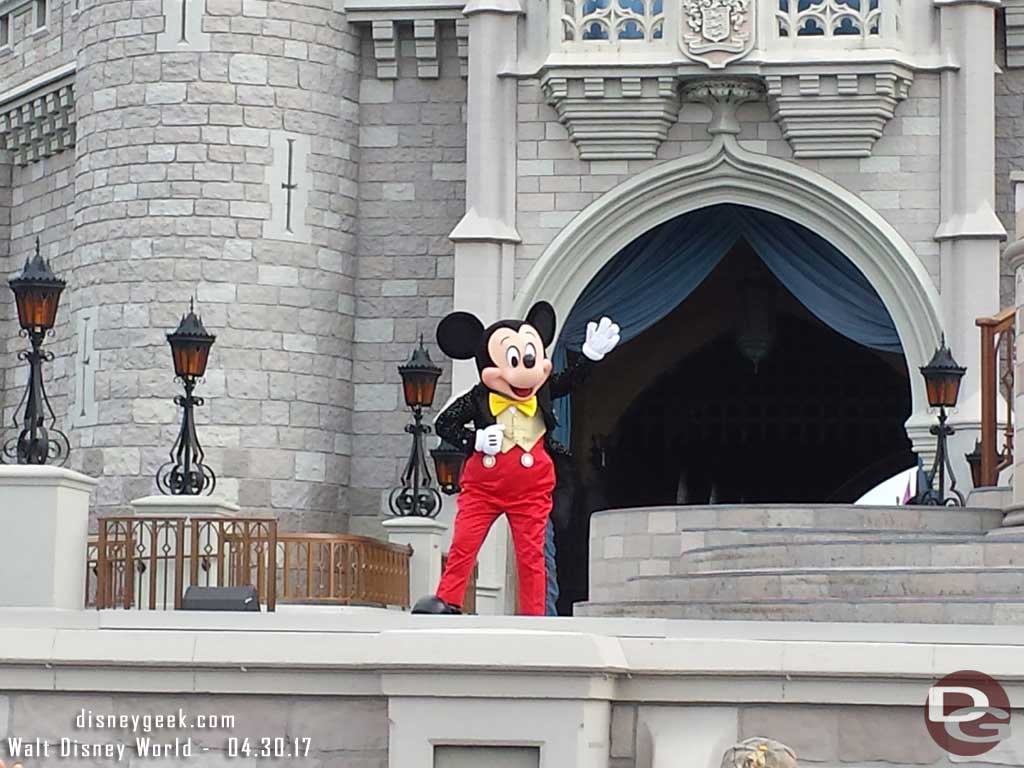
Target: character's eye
{"type": "Point", "coordinates": [512, 354]}
{"type": "Point", "coordinates": [531, 350]}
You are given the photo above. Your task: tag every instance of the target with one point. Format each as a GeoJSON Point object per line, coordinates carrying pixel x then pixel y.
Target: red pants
{"type": "Point", "coordinates": [524, 495]}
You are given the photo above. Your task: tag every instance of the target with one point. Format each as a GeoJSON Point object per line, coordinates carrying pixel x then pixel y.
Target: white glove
{"type": "Point", "coordinates": [601, 339]}
{"type": "Point", "coordinates": [489, 440]}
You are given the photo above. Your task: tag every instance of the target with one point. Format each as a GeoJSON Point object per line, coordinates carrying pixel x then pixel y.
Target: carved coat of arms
{"type": "Point", "coordinates": [718, 31]}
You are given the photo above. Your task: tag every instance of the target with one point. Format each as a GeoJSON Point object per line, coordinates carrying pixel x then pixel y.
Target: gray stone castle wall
{"type": "Point", "coordinates": [900, 180]}
{"type": "Point", "coordinates": [39, 198]}
{"type": "Point", "coordinates": [35, 199]}
{"type": "Point", "coordinates": [412, 144]}
{"type": "Point", "coordinates": [1009, 152]}
{"type": "Point", "coordinates": [37, 50]}
{"type": "Point", "coordinates": [180, 161]}
{"type": "Point", "coordinates": [174, 176]}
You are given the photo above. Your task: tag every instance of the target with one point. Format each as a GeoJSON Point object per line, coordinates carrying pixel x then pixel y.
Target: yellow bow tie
{"type": "Point", "coordinates": [499, 403]}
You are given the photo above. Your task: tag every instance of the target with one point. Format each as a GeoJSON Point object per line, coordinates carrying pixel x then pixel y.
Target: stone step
{"type": "Point", "coordinates": [721, 537]}
{"type": "Point", "coordinates": [609, 575]}
{"type": "Point", "coordinates": [845, 583]}
{"type": "Point", "coordinates": [951, 610]}
{"type": "Point", "coordinates": [907, 551]}
{"type": "Point", "coordinates": [674, 519]}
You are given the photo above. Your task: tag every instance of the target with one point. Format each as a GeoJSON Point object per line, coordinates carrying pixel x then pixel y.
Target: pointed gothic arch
{"type": "Point", "coordinates": [727, 173]}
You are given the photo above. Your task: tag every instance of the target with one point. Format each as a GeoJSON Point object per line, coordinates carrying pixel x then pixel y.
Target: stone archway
{"type": "Point", "coordinates": [727, 173]}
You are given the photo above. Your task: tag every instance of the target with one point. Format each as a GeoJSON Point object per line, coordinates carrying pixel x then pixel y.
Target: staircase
{"type": "Point", "coordinates": [807, 563]}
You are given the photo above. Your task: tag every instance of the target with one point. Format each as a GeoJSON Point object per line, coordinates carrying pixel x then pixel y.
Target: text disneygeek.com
{"type": "Point", "coordinates": [138, 736]}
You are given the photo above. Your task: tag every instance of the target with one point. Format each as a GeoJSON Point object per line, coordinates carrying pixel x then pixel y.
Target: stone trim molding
{"type": "Point", "coordinates": [40, 122]}
{"type": "Point", "coordinates": [727, 173]}
{"type": "Point", "coordinates": [1014, 32]}
{"type": "Point", "coordinates": [424, 16]}
{"type": "Point", "coordinates": [830, 113]}
{"type": "Point", "coordinates": [614, 118]}
{"type": "Point", "coordinates": [625, 113]}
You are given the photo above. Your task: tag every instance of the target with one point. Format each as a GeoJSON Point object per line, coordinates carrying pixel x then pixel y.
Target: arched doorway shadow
{"type": "Point", "coordinates": [782, 409]}
{"type": "Point", "coordinates": [737, 395]}
{"type": "Point", "coordinates": [727, 173]}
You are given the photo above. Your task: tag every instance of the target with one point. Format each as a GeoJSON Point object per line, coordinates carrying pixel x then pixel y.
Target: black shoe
{"type": "Point", "coordinates": [435, 605]}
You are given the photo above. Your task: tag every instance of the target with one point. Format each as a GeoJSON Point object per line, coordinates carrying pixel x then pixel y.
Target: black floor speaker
{"type": "Point", "coordinates": [221, 599]}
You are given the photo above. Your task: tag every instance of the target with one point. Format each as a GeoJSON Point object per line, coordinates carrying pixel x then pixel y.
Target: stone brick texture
{"type": "Point", "coordinates": [900, 180]}
{"type": "Point", "coordinates": [171, 195]}
{"type": "Point", "coordinates": [1009, 152]}
{"type": "Point", "coordinates": [818, 734]}
{"type": "Point", "coordinates": [36, 202]}
{"type": "Point", "coordinates": [411, 195]}
{"type": "Point", "coordinates": [168, 189]}
{"type": "Point", "coordinates": [37, 50]}
{"type": "Point", "coordinates": [342, 731]}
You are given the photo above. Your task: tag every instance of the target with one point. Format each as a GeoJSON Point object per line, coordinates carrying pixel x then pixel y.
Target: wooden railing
{"type": "Point", "coordinates": [342, 570]}
{"type": "Point", "coordinates": [997, 361]}
{"type": "Point", "coordinates": [149, 562]}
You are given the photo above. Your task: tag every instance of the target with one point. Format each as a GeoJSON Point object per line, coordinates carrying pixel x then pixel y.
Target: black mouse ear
{"type": "Point", "coordinates": [459, 335]}
{"type": "Point", "coordinates": [542, 317]}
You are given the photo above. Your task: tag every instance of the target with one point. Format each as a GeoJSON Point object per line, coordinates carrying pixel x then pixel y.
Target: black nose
{"type": "Point", "coordinates": [529, 361]}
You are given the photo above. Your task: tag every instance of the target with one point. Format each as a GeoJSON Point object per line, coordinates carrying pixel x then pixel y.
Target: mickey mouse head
{"type": "Point", "coordinates": [510, 354]}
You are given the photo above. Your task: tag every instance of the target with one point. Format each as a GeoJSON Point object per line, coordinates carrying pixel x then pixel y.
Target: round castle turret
{"type": "Point", "coordinates": [215, 160]}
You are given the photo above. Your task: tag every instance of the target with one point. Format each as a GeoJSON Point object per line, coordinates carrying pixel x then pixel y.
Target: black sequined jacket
{"type": "Point", "coordinates": [459, 421]}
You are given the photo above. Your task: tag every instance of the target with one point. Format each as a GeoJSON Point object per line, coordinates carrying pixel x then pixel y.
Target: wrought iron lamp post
{"type": "Point", "coordinates": [942, 378]}
{"type": "Point", "coordinates": [417, 496]}
{"type": "Point", "coordinates": [37, 293]}
{"type": "Point", "coordinates": [186, 474]}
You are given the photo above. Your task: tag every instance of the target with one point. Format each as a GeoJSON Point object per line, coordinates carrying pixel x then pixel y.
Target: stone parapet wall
{"type": "Point", "coordinates": [630, 543]}
{"type": "Point", "coordinates": [182, 190]}
{"type": "Point", "coordinates": [376, 688]}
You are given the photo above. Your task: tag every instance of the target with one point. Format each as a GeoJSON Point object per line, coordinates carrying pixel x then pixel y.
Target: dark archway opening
{"type": "Point", "coordinates": [681, 414]}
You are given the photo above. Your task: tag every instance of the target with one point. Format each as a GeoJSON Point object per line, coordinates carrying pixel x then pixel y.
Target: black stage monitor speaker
{"type": "Point", "coordinates": [221, 599]}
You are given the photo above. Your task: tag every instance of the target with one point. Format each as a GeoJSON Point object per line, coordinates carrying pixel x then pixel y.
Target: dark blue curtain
{"type": "Point", "coordinates": [657, 271]}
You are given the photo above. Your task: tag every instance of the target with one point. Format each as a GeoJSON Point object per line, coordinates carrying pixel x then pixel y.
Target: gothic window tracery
{"type": "Point", "coordinates": [829, 18]}
{"type": "Point", "coordinates": [613, 20]}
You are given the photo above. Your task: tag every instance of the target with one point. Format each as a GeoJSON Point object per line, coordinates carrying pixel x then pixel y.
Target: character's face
{"type": "Point", "coordinates": [520, 366]}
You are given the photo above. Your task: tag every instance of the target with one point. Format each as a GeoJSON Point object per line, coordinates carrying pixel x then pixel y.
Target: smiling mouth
{"type": "Point", "coordinates": [522, 391]}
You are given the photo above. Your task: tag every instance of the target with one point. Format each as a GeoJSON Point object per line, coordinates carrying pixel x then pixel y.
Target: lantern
{"type": "Point", "coordinates": [37, 293]}
{"type": "Point", "coordinates": [942, 377]}
{"type": "Point", "coordinates": [448, 461]}
{"type": "Point", "coordinates": [190, 346]}
{"type": "Point", "coordinates": [419, 378]}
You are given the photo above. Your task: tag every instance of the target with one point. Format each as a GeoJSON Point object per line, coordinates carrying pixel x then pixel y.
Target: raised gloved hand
{"type": "Point", "coordinates": [488, 440]}
{"type": "Point", "coordinates": [602, 338]}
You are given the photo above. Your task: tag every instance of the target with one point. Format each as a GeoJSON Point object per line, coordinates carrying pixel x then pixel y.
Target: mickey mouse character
{"type": "Point", "coordinates": [504, 424]}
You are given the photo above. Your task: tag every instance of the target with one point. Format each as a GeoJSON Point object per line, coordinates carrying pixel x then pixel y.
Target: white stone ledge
{"type": "Point", "coordinates": [365, 653]}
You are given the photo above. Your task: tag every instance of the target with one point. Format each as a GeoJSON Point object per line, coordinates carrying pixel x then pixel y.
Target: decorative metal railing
{"type": "Point", "coordinates": [342, 570]}
{"type": "Point", "coordinates": [149, 562]}
{"type": "Point", "coordinates": [998, 342]}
